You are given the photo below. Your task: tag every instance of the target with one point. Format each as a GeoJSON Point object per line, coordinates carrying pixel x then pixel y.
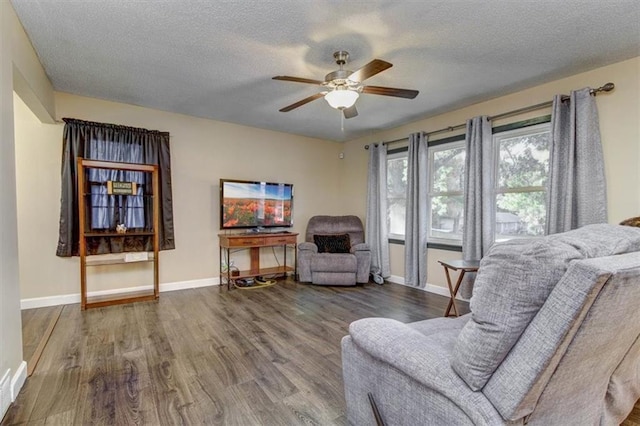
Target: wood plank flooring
{"type": "Point", "coordinates": [209, 356]}
{"type": "Point", "coordinates": [37, 326]}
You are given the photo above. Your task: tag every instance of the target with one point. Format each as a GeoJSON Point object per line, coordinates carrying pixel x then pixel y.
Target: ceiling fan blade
{"type": "Point", "coordinates": [297, 79]}
{"type": "Point", "coordinates": [369, 70]}
{"type": "Point", "coordinates": [350, 112]}
{"type": "Point", "coordinates": [390, 91]}
{"type": "Point", "coordinates": [302, 102]}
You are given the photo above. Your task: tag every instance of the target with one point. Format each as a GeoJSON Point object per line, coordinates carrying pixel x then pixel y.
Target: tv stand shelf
{"type": "Point", "coordinates": [254, 242]}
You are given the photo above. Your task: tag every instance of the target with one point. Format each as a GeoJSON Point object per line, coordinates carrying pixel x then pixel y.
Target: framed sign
{"type": "Point", "coordinates": [121, 188]}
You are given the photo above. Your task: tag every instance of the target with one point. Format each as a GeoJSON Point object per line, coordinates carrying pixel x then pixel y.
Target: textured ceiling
{"type": "Point", "coordinates": [215, 59]}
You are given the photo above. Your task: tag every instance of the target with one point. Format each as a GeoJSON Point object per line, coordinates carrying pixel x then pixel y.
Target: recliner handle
{"type": "Point", "coordinates": [376, 412]}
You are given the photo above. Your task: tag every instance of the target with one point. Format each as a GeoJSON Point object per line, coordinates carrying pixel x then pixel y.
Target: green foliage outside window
{"type": "Point", "coordinates": [523, 168]}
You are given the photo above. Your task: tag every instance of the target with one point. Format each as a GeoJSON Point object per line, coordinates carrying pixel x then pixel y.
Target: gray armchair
{"type": "Point", "coordinates": [553, 338]}
{"type": "Point", "coordinates": [343, 257]}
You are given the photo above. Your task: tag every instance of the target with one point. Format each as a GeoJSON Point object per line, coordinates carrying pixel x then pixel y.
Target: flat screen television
{"type": "Point", "coordinates": [255, 204]}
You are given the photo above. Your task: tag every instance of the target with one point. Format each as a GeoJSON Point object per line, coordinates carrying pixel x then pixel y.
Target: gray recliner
{"type": "Point", "coordinates": [329, 268]}
{"type": "Point", "coordinates": [553, 338]}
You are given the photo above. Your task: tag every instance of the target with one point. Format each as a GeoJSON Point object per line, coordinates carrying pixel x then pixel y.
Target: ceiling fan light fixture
{"type": "Point", "coordinates": [341, 88]}
{"type": "Point", "coordinates": [341, 98]}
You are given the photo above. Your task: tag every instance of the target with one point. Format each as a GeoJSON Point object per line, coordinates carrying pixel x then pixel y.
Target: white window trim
{"type": "Point", "coordinates": [431, 194]}
{"type": "Point", "coordinates": [495, 147]}
{"type": "Point", "coordinates": [395, 156]}
{"type": "Point", "coordinates": [497, 137]}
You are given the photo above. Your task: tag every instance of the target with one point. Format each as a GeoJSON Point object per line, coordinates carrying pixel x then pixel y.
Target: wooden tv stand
{"type": "Point", "coordinates": [254, 241]}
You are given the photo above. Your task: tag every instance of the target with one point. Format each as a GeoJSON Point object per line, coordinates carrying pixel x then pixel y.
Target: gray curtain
{"type": "Point", "coordinates": [478, 234]}
{"type": "Point", "coordinates": [377, 230]}
{"type": "Point", "coordinates": [576, 194]}
{"type": "Point", "coordinates": [122, 144]}
{"type": "Point", "coordinates": [415, 243]}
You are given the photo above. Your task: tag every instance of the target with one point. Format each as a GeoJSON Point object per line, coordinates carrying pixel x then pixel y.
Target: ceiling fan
{"type": "Point", "coordinates": [341, 88]}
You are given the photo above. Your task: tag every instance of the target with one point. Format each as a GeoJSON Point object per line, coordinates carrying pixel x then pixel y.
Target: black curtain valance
{"type": "Point", "coordinates": [79, 140]}
{"type": "Point", "coordinates": [94, 125]}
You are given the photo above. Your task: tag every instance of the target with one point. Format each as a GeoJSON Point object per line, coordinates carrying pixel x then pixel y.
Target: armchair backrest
{"type": "Point", "coordinates": [351, 225]}
{"type": "Point", "coordinates": [552, 320]}
{"type": "Point", "coordinates": [581, 352]}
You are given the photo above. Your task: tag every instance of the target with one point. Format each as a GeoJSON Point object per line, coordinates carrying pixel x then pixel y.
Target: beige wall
{"type": "Point", "coordinates": [206, 150]}
{"type": "Point", "coordinates": [19, 70]}
{"type": "Point", "coordinates": [203, 151]}
{"type": "Point", "coordinates": [10, 337]}
{"type": "Point", "coordinates": [619, 126]}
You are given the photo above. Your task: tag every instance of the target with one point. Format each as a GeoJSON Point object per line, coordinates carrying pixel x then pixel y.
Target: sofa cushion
{"type": "Point", "coordinates": [437, 325]}
{"type": "Point", "coordinates": [514, 280]}
{"type": "Point", "coordinates": [334, 262]}
{"type": "Point", "coordinates": [334, 243]}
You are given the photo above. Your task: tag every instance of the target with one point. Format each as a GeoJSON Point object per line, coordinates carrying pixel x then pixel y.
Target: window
{"type": "Point", "coordinates": [446, 180]}
{"type": "Point", "coordinates": [121, 144]}
{"type": "Point", "coordinates": [396, 193]}
{"type": "Point", "coordinates": [109, 210]}
{"type": "Point", "coordinates": [521, 167]}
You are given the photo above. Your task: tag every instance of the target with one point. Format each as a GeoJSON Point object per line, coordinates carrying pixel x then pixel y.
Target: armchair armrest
{"type": "Point", "coordinates": [360, 247]}
{"type": "Point", "coordinates": [422, 358]}
{"type": "Point", "coordinates": [306, 252]}
{"type": "Point", "coordinates": [362, 252]}
{"type": "Point", "coordinates": [309, 247]}
{"type": "Point", "coordinates": [399, 345]}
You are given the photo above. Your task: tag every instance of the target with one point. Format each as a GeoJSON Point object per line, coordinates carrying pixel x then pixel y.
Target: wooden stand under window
{"type": "Point", "coordinates": [89, 231]}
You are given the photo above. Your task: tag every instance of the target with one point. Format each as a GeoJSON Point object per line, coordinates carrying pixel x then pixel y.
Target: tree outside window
{"type": "Point", "coordinates": [396, 193]}
{"type": "Point", "coordinates": [522, 169]}
{"type": "Point", "coordinates": [446, 165]}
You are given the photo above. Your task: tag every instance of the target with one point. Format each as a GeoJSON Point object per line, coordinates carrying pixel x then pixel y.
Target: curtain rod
{"type": "Point", "coordinates": [605, 88]}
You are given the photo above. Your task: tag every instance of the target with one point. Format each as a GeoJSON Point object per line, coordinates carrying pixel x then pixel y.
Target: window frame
{"type": "Point", "coordinates": [446, 144]}
{"type": "Point", "coordinates": [394, 154]}
{"type": "Point", "coordinates": [453, 245]}
{"type": "Point", "coordinates": [499, 134]}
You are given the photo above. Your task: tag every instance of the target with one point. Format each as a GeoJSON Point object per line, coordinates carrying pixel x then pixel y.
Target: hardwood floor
{"type": "Point", "coordinates": [240, 357]}
{"type": "Point", "coordinates": [209, 356]}
{"type": "Point", "coordinates": [634, 417]}
{"type": "Point", "coordinates": [37, 326]}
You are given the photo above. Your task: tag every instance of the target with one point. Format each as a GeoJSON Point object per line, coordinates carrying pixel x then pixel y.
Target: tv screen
{"type": "Point", "coordinates": [253, 204]}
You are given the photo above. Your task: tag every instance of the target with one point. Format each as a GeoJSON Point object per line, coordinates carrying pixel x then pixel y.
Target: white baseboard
{"type": "Point", "coordinates": [5, 392]}
{"type": "Point", "coordinates": [183, 285]}
{"type": "Point", "coordinates": [67, 299]}
{"type": "Point", "coordinates": [42, 302]}
{"type": "Point", "coordinates": [430, 288]}
{"type": "Point", "coordinates": [10, 386]}
{"type": "Point", "coordinates": [18, 379]}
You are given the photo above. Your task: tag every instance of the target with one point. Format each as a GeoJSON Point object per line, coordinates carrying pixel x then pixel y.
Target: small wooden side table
{"type": "Point", "coordinates": [463, 266]}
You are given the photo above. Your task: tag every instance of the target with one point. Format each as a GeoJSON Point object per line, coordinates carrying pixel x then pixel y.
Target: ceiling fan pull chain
{"type": "Point", "coordinates": [341, 120]}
